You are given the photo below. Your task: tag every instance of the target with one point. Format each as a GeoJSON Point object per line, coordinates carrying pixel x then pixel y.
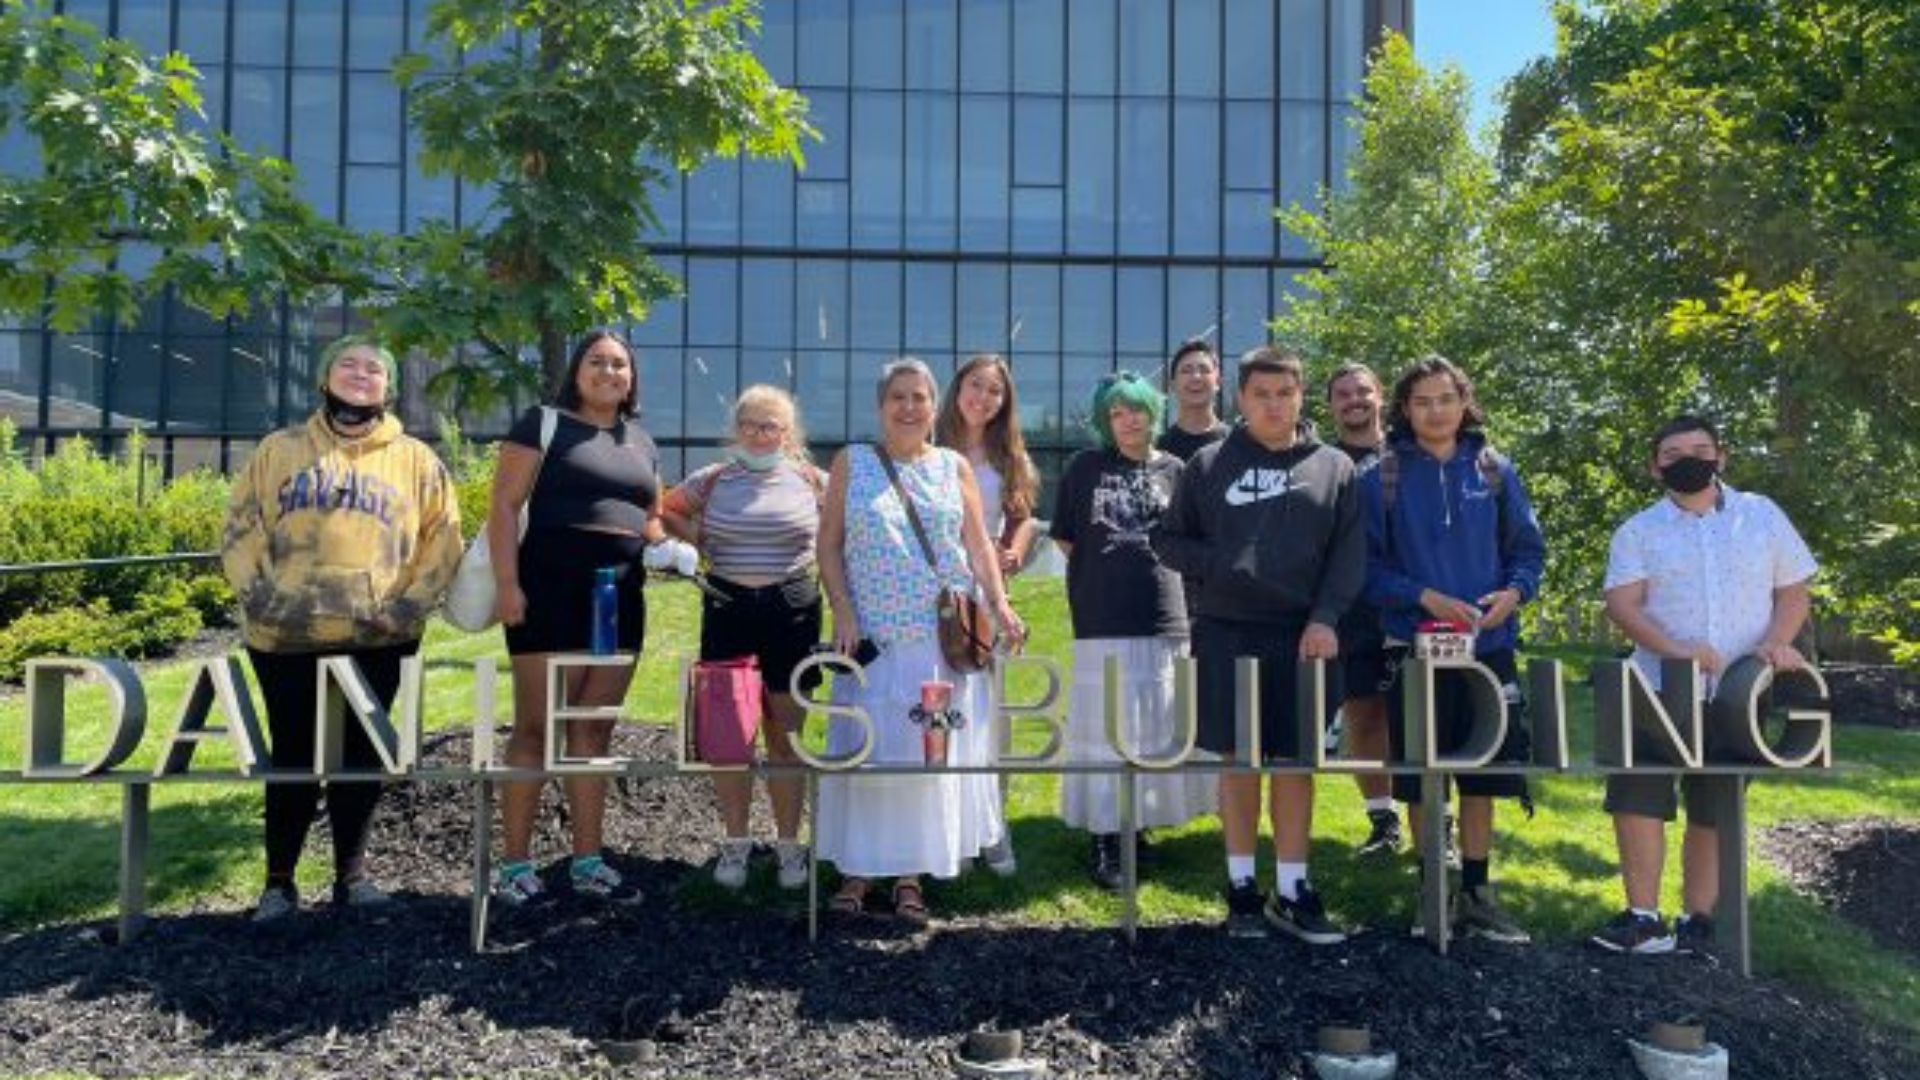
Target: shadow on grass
{"type": "Point", "coordinates": [69, 869]}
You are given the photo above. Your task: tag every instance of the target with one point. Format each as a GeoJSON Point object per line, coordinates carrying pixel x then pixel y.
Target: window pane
{"type": "Point", "coordinates": [766, 203]}
{"type": "Point", "coordinates": [929, 307]}
{"type": "Point", "coordinates": [665, 323]}
{"type": "Point", "coordinates": [1037, 139]}
{"type": "Point", "coordinates": [1250, 224]}
{"type": "Point", "coordinates": [877, 170]}
{"type": "Point", "coordinates": [1303, 46]}
{"type": "Point", "coordinates": [1250, 156]}
{"type": "Point", "coordinates": [662, 381]}
{"type": "Point", "coordinates": [1249, 48]}
{"type": "Point", "coordinates": [1196, 178]}
{"type": "Point", "coordinates": [668, 196]}
{"type": "Point", "coordinates": [876, 305]}
{"type": "Point", "coordinates": [1196, 49]}
{"type": "Point", "coordinates": [253, 378]}
{"type": "Point", "coordinates": [1038, 377]}
{"type": "Point", "coordinates": [1193, 304]}
{"type": "Point", "coordinates": [20, 378]}
{"type": "Point", "coordinates": [766, 318]}
{"type": "Point", "coordinates": [1090, 180]}
{"type": "Point", "coordinates": [318, 28]}
{"type": "Point", "coordinates": [713, 203]}
{"type": "Point", "coordinates": [373, 120]}
{"type": "Point", "coordinates": [824, 374]}
{"type": "Point", "coordinates": [376, 33]}
{"type": "Point", "coordinates": [863, 375]}
{"type": "Point", "coordinates": [820, 304]}
{"type": "Point", "coordinates": [1243, 311]}
{"type": "Point", "coordinates": [202, 28]}
{"type": "Point", "coordinates": [823, 44]}
{"type": "Point", "coordinates": [1078, 376]}
{"type": "Point", "coordinates": [1146, 151]}
{"type": "Point", "coordinates": [92, 12]}
{"type": "Point", "coordinates": [1039, 46]}
{"type": "Point", "coordinates": [1140, 305]}
{"type": "Point", "coordinates": [1144, 26]}
{"type": "Point", "coordinates": [1036, 219]}
{"type": "Point", "coordinates": [775, 44]}
{"type": "Point", "coordinates": [1303, 158]}
{"type": "Point", "coordinates": [1345, 121]}
{"type": "Point", "coordinates": [193, 366]}
{"type": "Point", "coordinates": [135, 372]}
{"type": "Point", "coordinates": [1036, 309]}
{"type": "Point", "coordinates": [984, 177]}
{"type": "Point", "coordinates": [933, 39]}
{"type": "Point", "coordinates": [827, 159]}
{"type": "Point", "coordinates": [878, 27]}
{"type": "Point", "coordinates": [1348, 50]}
{"type": "Point", "coordinates": [373, 197]}
{"type": "Point", "coordinates": [982, 308]}
{"type": "Point", "coordinates": [1087, 302]}
{"type": "Point", "coordinates": [986, 45]}
{"type": "Point", "coordinates": [713, 300]}
{"type": "Point", "coordinates": [260, 32]}
{"type": "Point", "coordinates": [712, 384]}
{"type": "Point", "coordinates": [932, 183]}
{"type": "Point", "coordinates": [822, 207]}
{"type": "Point", "coordinates": [145, 22]}
{"type": "Point", "coordinates": [769, 367]}
{"type": "Point", "coordinates": [74, 393]}
{"type": "Point", "coordinates": [1092, 41]}
{"type": "Point", "coordinates": [315, 142]}
{"type": "Point", "coordinates": [257, 120]}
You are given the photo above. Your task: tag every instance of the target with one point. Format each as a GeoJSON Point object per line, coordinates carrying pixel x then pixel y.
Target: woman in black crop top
{"type": "Point", "coordinates": [591, 501]}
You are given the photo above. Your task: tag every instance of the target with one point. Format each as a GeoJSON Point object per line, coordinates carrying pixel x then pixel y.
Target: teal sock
{"type": "Point", "coordinates": [585, 865]}
{"type": "Point", "coordinates": [511, 870]}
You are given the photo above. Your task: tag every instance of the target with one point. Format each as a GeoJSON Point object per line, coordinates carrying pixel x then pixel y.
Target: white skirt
{"type": "Point", "coordinates": [886, 826]}
{"type": "Point", "coordinates": [1161, 799]}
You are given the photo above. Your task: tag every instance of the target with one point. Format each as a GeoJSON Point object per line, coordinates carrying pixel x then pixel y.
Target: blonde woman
{"type": "Point", "coordinates": [756, 518]}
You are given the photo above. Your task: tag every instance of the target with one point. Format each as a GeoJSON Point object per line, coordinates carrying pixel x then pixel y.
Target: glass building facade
{"type": "Point", "coordinates": [1078, 184]}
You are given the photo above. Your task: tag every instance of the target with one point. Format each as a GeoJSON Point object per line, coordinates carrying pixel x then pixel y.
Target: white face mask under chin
{"type": "Point", "coordinates": [753, 462]}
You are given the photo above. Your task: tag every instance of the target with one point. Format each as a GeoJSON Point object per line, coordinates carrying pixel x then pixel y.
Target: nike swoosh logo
{"type": "Point", "coordinates": [1258, 485]}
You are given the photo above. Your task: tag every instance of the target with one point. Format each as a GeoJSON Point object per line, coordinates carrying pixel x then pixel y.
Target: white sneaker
{"type": "Point", "coordinates": [793, 864]}
{"type": "Point", "coordinates": [359, 893]}
{"type": "Point", "coordinates": [999, 855]}
{"type": "Point", "coordinates": [276, 903]}
{"type": "Point", "coordinates": [730, 869]}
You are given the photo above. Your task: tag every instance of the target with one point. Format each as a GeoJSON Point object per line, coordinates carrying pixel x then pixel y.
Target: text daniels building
{"type": "Point", "coordinates": [1079, 184]}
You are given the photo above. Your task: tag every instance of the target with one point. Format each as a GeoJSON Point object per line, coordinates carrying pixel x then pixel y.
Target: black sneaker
{"type": "Point", "coordinates": [1631, 932]}
{"type": "Point", "coordinates": [1103, 862]}
{"type": "Point", "coordinates": [1244, 919]}
{"type": "Point", "coordinates": [1383, 837]}
{"type": "Point", "coordinates": [1304, 918]}
{"type": "Point", "coordinates": [1694, 935]}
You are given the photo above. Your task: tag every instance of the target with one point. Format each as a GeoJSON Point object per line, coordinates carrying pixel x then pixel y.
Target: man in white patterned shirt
{"type": "Point", "coordinates": [1711, 574]}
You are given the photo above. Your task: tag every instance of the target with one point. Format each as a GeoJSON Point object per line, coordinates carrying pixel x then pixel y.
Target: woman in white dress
{"type": "Point", "coordinates": [882, 590]}
{"type": "Point", "coordinates": [981, 419]}
{"type": "Point", "coordinates": [1126, 606]}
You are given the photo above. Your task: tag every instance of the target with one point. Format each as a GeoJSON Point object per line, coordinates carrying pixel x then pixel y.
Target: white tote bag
{"type": "Point", "coordinates": [470, 599]}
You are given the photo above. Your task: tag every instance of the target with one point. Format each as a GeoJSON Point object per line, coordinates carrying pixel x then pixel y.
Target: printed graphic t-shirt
{"type": "Point", "coordinates": [1106, 506]}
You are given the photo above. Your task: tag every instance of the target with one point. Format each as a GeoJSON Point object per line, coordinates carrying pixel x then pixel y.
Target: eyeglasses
{"type": "Point", "coordinates": [760, 427]}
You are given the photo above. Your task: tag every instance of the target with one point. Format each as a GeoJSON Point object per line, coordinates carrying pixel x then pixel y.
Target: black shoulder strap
{"type": "Point", "coordinates": [913, 516]}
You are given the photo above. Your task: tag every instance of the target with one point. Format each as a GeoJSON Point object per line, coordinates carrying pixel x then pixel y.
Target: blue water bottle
{"type": "Point", "coordinates": [606, 612]}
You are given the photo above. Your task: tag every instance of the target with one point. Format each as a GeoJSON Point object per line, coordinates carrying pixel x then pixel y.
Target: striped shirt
{"type": "Point", "coordinates": [756, 528]}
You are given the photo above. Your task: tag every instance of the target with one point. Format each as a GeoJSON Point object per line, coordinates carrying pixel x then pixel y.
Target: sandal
{"type": "Point", "coordinates": [909, 902]}
{"type": "Point", "coordinates": [851, 900]}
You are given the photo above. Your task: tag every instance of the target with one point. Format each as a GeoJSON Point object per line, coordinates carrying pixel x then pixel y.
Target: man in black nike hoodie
{"type": "Point", "coordinates": [1268, 521]}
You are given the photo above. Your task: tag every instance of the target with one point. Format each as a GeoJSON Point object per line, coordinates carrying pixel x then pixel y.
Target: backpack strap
{"type": "Point", "coordinates": [1389, 478]}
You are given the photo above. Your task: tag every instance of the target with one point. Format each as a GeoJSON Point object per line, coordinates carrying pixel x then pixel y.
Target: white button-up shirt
{"type": "Point", "coordinates": [1710, 577]}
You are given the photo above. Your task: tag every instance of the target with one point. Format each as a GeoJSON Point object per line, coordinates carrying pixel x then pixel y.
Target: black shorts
{"type": "Point", "coordinates": [1217, 643]}
{"type": "Point", "coordinates": [1453, 706]}
{"type": "Point", "coordinates": [557, 574]}
{"type": "Point", "coordinates": [1361, 672]}
{"type": "Point", "coordinates": [776, 624]}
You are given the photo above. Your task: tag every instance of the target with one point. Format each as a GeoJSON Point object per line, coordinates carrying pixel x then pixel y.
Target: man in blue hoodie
{"type": "Point", "coordinates": [1268, 521]}
{"type": "Point", "coordinates": [1452, 538]}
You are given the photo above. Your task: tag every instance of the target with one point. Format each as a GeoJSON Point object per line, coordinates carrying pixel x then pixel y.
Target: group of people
{"type": "Point", "coordinates": [1183, 535]}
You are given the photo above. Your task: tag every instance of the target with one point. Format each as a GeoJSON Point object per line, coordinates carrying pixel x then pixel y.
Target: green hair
{"type": "Point", "coordinates": [372, 344]}
{"type": "Point", "coordinates": [1129, 389]}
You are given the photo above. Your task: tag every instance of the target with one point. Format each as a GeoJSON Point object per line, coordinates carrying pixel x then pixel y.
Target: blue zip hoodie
{"type": "Point", "coordinates": [1446, 535]}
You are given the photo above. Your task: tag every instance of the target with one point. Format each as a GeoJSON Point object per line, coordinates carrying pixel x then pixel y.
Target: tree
{"type": "Point", "coordinates": [571, 122]}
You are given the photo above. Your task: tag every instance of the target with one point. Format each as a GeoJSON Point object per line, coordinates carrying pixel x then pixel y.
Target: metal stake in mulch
{"type": "Point", "coordinates": [1679, 1051]}
{"type": "Point", "coordinates": [996, 1055]}
{"type": "Point", "coordinates": [1347, 1053]}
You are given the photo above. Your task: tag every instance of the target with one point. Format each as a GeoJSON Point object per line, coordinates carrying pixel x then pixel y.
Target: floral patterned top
{"type": "Point", "coordinates": [893, 587]}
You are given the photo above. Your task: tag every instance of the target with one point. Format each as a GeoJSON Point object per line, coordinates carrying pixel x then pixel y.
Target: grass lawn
{"type": "Point", "coordinates": [58, 842]}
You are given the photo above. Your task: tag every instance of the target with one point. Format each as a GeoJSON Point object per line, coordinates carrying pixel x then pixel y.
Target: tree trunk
{"type": "Point", "coordinates": [553, 356]}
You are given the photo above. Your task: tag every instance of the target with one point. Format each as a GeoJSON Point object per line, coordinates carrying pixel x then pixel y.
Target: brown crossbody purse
{"type": "Point", "coordinates": [966, 633]}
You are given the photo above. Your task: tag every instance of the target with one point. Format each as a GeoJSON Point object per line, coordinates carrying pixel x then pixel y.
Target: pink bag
{"type": "Point", "coordinates": [727, 698]}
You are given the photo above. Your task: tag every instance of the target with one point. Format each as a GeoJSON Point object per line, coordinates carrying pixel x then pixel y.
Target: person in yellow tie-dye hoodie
{"type": "Point", "coordinates": [342, 535]}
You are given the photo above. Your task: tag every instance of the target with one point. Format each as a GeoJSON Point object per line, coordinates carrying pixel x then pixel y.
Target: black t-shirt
{"type": "Point", "coordinates": [1359, 628]}
{"type": "Point", "coordinates": [1183, 444]}
{"type": "Point", "coordinates": [1106, 505]}
{"type": "Point", "coordinates": [606, 478]}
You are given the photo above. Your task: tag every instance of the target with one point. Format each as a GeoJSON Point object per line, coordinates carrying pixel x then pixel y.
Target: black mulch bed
{"type": "Point", "coordinates": [730, 990]}
{"type": "Point", "coordinates": [1867, 871]}
{"type": "Point", "coordinates": [1879, 694]}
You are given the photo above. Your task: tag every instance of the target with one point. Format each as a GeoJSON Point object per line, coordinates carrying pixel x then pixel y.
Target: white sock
{"type": "Point", "coordinates": [1239, 868]}
{"type": "Point", "coordinates": [1646, 914]}
{"type": "Point", "coordinates": [1385, 802]}
{"type": "Point", "coordinates": [1288, 877]}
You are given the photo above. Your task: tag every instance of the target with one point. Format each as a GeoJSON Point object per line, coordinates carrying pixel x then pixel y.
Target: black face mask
{"type": "Point", "coordinates": [342, 413]}
{"type": "Point", "coordinates": [1689, 475]}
